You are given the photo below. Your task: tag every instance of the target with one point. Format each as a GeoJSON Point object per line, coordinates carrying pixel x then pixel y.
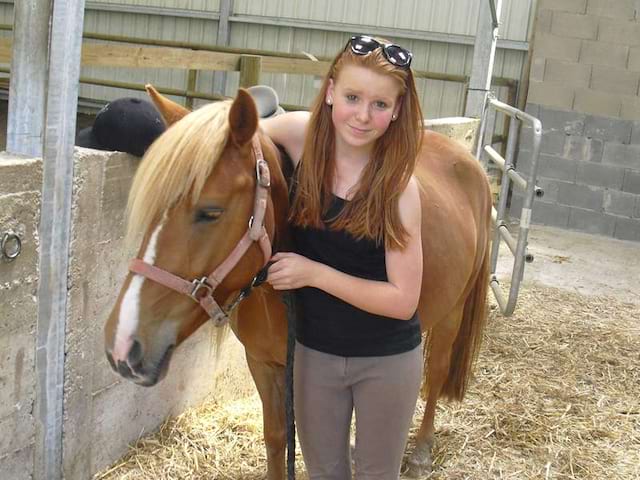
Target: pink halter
{"type": "Point", "coordinates": [201, 290]}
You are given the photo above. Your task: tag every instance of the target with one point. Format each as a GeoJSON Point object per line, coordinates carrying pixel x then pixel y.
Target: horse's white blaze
{"type": "Point", "coordinates": [130, 305]}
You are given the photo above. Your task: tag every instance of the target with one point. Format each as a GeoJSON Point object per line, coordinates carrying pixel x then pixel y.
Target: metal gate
{"type": "Point", "coordinates": [517, 244]}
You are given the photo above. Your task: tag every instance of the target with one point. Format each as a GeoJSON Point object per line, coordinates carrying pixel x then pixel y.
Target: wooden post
{"type": "Point", "coordinates": [192, 81]}
{"type": "Point", "coordinates": [250, 68]}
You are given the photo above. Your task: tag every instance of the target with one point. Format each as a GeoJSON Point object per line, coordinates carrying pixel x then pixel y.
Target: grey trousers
{"type": "Point", "coordinates": [381, 390]}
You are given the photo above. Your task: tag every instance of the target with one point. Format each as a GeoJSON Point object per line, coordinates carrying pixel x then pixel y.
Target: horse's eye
{"type": "Point", "coordinates": [208, 215]}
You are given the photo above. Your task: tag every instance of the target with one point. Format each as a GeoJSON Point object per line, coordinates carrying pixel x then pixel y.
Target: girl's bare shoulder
{"type": "Point", "coordinates": [289, 131]}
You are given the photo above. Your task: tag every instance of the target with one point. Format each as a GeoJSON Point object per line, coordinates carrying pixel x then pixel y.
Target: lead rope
{"type": "Point", "coordinates": [290, 303]}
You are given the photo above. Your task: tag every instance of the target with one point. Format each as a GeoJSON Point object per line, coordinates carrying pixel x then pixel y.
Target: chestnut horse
{"type": "Point", "coordinates": [190, 203]}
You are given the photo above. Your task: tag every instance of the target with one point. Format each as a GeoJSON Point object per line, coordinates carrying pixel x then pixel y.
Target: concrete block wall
{"type": "Point", "coordinates": [589, 168]}
{"type": "Point", "coordinates": [585, 89]}
{"type": "Point", "coordinates": [586, 57]}
{"type": "Point", "coordinates": [20, 184]}
{"type": "Point", "coordinates": [102, 412]}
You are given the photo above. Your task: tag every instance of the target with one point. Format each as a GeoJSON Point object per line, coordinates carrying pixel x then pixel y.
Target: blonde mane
{"type": "Point", "coordinates": [177, 164]}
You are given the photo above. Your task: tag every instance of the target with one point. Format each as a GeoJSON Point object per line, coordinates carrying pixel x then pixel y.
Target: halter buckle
{"type": "Point", "coordinates": [263, 174]}
{"type": "Point", "coordinates": [198, 284]}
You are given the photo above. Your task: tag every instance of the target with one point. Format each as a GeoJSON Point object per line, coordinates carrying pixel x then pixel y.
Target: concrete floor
{"type": "Point", "coordinates": [579, 262]}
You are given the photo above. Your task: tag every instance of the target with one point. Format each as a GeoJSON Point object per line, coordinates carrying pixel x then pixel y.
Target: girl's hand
{"type": "Point", "coordinates": [290, 271]}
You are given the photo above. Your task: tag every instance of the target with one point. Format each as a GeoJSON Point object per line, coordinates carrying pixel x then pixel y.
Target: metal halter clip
{"type": "Point", "coordinates": [10, 246]}
{"type": "Point", "coordinates": [199, 284]}
{"type": "Point", "coordinates": [262, 173]}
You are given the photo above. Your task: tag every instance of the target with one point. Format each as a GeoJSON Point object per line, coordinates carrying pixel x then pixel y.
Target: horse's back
{"type": "Point", "coordinates": [456, 205]}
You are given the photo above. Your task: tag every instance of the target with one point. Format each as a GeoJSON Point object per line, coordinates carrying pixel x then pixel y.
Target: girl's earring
{"type": "Point", "coordinates": [394, 117]}
{"type": "Point", "coordinates": [329, 102]}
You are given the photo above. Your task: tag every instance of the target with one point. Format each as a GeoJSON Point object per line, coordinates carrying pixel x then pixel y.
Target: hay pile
{"type": "Point", "coordinates": [556, 396]}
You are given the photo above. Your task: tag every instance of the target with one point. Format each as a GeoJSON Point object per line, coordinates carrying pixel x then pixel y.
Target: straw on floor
{"type": "Point", "coordinates": [556, 395]}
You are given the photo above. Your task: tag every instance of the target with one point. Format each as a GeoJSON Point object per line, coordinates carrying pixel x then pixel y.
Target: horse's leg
{"type": "Point", "coordinates": [440, 344]}
{"type": "Point", "coordinates": [269, 379]}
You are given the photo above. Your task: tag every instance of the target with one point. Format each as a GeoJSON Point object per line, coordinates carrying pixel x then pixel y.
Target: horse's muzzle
{"type": "Point", "coordinates": [134, 368]}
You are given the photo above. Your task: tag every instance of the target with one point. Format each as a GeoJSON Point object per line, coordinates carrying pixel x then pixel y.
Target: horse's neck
{"type": "Point", "coordinates": [281, 174]}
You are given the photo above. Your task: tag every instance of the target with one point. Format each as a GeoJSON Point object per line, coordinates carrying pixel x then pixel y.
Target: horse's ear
{"type": "Point", "coordinates": [171, 112]}
{"type": "Point", "coordinates": [243, 118]}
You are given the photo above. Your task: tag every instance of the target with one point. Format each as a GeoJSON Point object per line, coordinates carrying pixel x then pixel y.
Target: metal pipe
{"type": "Point", "coordinates": [517, 179]}
{"type": "Point", "coordinates": [494, 14]}
{"type": "Point", "coordinates": [504, 195]}
{"type": "Point", "coordinates": [497, 292]}
{"type": "Point", "coordinates": [495, 156]}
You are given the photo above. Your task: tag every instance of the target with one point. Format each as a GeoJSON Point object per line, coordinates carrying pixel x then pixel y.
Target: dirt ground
{"type": "Point", "coordinates": [579, 262]}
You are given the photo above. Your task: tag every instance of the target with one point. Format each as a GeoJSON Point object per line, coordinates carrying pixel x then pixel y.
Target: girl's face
{"type": "Point", "coordinates": [364, 103]}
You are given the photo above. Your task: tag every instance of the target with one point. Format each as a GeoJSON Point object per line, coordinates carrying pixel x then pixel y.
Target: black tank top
{"type": "Point", "coordinates": [330, 325]}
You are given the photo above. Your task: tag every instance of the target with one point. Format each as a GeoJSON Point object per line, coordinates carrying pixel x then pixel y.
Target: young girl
{"type": "Point", "coordinates": [357, 268]}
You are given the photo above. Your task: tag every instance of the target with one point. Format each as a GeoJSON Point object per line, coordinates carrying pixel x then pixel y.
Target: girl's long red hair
{"type": "Point", "coordinates": [373, 211]}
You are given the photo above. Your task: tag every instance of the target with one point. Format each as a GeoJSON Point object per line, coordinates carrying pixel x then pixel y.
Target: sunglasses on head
{"type": "Point", "coordinates": [395, 54]}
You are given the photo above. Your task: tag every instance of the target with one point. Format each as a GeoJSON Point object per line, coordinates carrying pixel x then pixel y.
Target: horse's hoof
{"type": "Point", "coordinates": [419, 463]}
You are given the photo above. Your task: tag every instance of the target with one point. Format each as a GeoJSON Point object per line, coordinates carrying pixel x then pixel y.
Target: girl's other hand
{"type": "Point", "coordinates": [290, 271]}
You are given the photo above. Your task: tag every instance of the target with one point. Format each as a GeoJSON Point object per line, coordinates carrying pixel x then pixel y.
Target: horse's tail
{"type": "Point", "coordinates": [467, 343]}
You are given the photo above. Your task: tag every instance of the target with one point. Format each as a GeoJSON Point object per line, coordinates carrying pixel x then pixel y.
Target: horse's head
{"type": "Point", "coordinates": [192, 203]}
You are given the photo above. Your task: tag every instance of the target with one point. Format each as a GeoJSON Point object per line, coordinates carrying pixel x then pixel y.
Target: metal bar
{"type": "Point", "coordinates": [517, 247]}
{"type": "Point", "coordinates": [525, 217]}
{"type": "Point", "coordinates": [507, 237]}
{"type": "Point", "coordinates": [494, 14]}
{"type": "Point", "coordinates": [495, 156]}
{"type": "Point", "coordinates": [27, 89]}
{"type": "Point", "coordinates": [517, 179]}
{"type": "Point", "coordinates": [504, 195]}
{"type": "Point", "coordinates": [514, 112]}
{"type": "Point", "coordinates": [54, 231]}
{"type": "Point", "coordinates": [497, 292]}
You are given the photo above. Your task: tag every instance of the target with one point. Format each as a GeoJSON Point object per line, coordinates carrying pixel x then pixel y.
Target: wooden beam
{"type": "Point", "coordinates": [109, 55]}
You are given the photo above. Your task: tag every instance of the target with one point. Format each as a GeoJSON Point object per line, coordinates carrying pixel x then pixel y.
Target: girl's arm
{"type": "Point", "coordinates": [396, 298]}
{"type": "Point", "coordinates": [288, 130]}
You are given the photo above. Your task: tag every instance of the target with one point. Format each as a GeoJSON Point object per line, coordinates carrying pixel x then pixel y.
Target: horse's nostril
{"type": "Point", "coordinates": [135, 354]}
{"type": "Point", "coordinates": [124, 370]}
{"type": "Point", "coordinates": [110, 359]}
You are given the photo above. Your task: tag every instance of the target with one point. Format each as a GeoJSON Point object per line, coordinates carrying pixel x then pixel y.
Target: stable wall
{"type": "Point", "coordinates": [20, 184]}
{"type": "Point", "coordinates": [585, 88]}
{"type": "Point", "coordinates": [102, 412]}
